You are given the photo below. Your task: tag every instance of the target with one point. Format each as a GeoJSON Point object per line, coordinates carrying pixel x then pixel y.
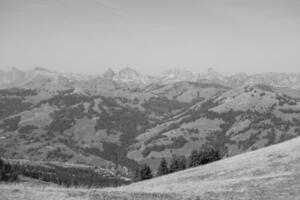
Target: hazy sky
{"type": "Point", "coordinates": [88, 36]}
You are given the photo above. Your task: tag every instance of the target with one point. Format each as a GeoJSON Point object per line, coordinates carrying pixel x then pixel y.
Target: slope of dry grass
{"type": "Point", "coordinates": [269, 173]}
{"type": "Point", "coordinates": [36, 192]}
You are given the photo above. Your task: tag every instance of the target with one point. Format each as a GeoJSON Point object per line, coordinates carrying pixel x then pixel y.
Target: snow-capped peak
{"type": "Point", "coordinates": [109, 74]}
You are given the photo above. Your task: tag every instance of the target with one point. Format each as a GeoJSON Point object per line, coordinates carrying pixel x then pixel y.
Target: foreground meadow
{"type": "Point", "coordinates": [35, 192]}
{"type": "Point", "coordinates": [266, 174]}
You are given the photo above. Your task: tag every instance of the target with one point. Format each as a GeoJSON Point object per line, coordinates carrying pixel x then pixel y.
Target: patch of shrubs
{"type": "Point", "coordinates": [193, 130]}
{"type": "Point", "coordinates": [58, 154]}
{"type": "Point", "coordinates": [288, 110]}
{"type": "Point", "coordinates": [27, 129]}
{"type": "Point", "coordinates": [262, 94]}
{"type": "Point", "coordinates": [156, 137]}
{"type": "Point", "coordinates": [59, 125]}
{"type": "Point", "coordinates": [178, 142]}
{"type": "Point", "coordinates": [66, 99]}
{"type": "Point", "coordinates": [162, 105]}
{"type": "Point", "coordinates": [284, 99]}
{"type": "Point", "coordinates": [157, 148]}
{"type": "Point", "coordinates": [17, 92]}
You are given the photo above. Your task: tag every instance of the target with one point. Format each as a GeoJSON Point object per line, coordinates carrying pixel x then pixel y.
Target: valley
{"type": "Point", "coordinates": [119, 121]}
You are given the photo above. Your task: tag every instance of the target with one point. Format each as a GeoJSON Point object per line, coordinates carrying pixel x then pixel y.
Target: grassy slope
{"type": "Point", "coordinates": [269, 173]}
{"type": "Point", "coordinates": [272, 172]}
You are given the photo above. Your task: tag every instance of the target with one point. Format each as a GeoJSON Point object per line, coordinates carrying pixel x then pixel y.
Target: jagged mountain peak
{"type": "Point", "coordinates": [129, 75]}
{"type": "Point", "coordinates": [128, 71]}
{"type": "Point", "coordinates": [177, 75]}
{"type": "Point", "coordinates": [108, 74]}
{"type": "Point", "coordinates": [14, 76]}
{"type": "Point", "coordinates": [40, 71]}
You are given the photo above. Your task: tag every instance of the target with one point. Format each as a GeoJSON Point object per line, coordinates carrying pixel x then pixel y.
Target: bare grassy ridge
{"type": "Point", "coordinates": [267, 174]}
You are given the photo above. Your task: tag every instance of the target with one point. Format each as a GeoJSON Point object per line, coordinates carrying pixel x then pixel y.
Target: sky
{"type": "Point", "coordinates": [151, 36]}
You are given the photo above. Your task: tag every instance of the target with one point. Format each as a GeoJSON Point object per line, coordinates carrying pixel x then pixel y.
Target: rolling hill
{"type": "Point", "coordinates": [235, 121]}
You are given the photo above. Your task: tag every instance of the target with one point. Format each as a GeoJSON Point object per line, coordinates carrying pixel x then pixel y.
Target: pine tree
{"type": "Point", "coordinates": [174, 165]}
{"type": "Point", "coordinates": [163, 168]}
{"type": "Point", "coordinates": [209, 155]}
{"type": "Point", "coordinates": [145, 172]}
{"type": "Point", "coordinates": [2, 167]}
{"type": "Point", "coordinates": [182, 163]}
{"type": "Point", "coordinates": [194, 159]}
{"type": "Point", "coordinates": [137, 174]}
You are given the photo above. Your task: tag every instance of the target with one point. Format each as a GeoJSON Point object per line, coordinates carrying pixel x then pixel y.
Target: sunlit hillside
{"type": "Point", "coordinates": [269, 173]}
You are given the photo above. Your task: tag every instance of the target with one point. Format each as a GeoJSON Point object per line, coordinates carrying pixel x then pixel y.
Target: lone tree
{"type": "Point", "coordinates": [137, 174]}
{"type": "Point", "coordinates": [182, 163]}
{"type": "Point", "coordinates": [145, 172]}
{"type": "Point", "coordinates": [194, 159]}
{"type": "Point", "coordinates": [174, 165]}
{"type": "Point", "coordinates": [163, 167]}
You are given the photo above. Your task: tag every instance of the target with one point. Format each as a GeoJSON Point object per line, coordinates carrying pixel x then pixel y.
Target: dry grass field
{"type": "Point", "coordinates": [269, 173]}
{"type": "Point", "coordinates": [36, 192]}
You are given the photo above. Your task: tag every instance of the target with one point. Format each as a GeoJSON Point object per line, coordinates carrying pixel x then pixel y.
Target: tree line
{"type": "Point", "coordinates": [87, 177]}
{"type": "Point", "coordinates": [68, 177]}
{"type": "Point", "coordinates": [178, 163]}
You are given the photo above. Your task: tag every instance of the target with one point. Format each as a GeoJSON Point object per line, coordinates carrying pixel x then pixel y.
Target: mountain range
{"type": "Point", "coordinates": [15, 77]}
{"type": "Point", "coordinates": [122, 119]}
